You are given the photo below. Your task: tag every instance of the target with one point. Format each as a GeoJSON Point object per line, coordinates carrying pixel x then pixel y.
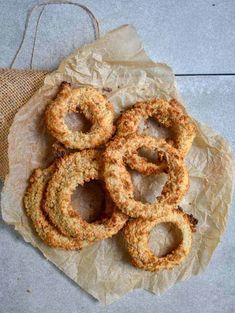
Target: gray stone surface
{"type": "Point", "coordinates": [28, 282]}
{"type": "Point", "coordinates": [191, 36]}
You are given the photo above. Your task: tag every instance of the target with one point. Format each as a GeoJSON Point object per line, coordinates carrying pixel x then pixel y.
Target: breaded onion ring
{"type": "Point", "coordinates": [170, 115]}
{"type": "Point", "coordinates": [136, 234]}
{"type": "Point", "coordinates": [33, 200]}
{"type": "Point", "coordinates": [95, 107]}
{"type": "Point", "coordinates": [118, 180]}
{"type": "Point", "coordinates": [76, 169]}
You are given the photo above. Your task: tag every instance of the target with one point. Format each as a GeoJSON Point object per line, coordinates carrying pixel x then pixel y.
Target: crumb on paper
{"type": "Point", "coordinates": [107, 89]}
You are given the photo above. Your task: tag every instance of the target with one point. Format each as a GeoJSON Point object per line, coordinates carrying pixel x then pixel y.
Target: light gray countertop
{"type": "Point", "coordinates": [192, 37]}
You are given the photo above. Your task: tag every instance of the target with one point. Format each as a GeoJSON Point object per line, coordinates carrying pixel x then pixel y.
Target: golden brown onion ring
{"type": "Point", "coordinates": [72, 170]}
{"type": "Point", "coordinates": [95, 107]}
{"type": "Point", "coordinates": [118, 180]}
{"type": "Point", "coordinates": [136, 234]}
{"type": "Point", "coordinates": [33, 202]}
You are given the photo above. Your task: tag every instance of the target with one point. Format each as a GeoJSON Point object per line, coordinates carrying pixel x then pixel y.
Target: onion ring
{"type": "Point", "coordinates": [76, 169]}
{"type": "Point", "coordinates": [170, 115]}
{"type": "Point", "coordinates": [92, 104]}
{"type": "Point", "coordinates": [33, 200]}
{"type": "Point", "coordinates": [118, 180]}
{"type": "Point", "coordinates": [136, 234]}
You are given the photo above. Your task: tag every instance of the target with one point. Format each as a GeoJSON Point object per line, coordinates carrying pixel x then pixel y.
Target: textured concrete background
{"type": "Point", "coordinates": [192, 37]}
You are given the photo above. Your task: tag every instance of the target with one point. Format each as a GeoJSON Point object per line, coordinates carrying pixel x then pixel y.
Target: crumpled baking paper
{"type": "Point", "coordinates": [118, 63]}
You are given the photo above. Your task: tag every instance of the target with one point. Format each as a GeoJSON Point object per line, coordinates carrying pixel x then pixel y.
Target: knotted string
{"type": "Point", "coordinates": [43, 5]}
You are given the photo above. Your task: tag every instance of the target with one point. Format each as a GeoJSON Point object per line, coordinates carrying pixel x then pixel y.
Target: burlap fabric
{"type": "Point", "coordinates": [16, 88]}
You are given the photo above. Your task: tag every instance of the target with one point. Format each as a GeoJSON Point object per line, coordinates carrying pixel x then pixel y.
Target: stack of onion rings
{"type": "Point", "coordinates": [123, 150]}
{"type": "Point", "coordinates": [74, 169]}
{"type": "Point", "coordinates": [170, 115]}
{"type": "Point", "coordinates": [136, 232]}
{"type": "Point", "coordinates": [36, 204]}
{"type": "Point", "coordinates": [47, 199]}
{"type": "Point", "coordinates": [33, 202]}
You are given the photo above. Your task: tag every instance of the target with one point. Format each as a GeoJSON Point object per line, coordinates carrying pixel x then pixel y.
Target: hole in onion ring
{"type": "Point", "coordinates": [164, 238]}
{"type": "Point", "coordinates": [151, 156]}
{"type": "Point", "coordinates": [89, 201]}
{"type": "Point", "coordinates": [152, 128]}
{"type": "Point", "coordinates": [140, 182]}
{"type": "Point", "coordinates": [77, 122]}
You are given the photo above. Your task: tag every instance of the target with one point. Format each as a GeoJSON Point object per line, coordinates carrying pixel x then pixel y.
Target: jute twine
{"type": "Point", "coordinates": [18, 86]}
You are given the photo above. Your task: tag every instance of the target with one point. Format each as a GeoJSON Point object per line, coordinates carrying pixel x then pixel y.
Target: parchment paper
{"type": "Point", "coordinates": [118, 61]}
